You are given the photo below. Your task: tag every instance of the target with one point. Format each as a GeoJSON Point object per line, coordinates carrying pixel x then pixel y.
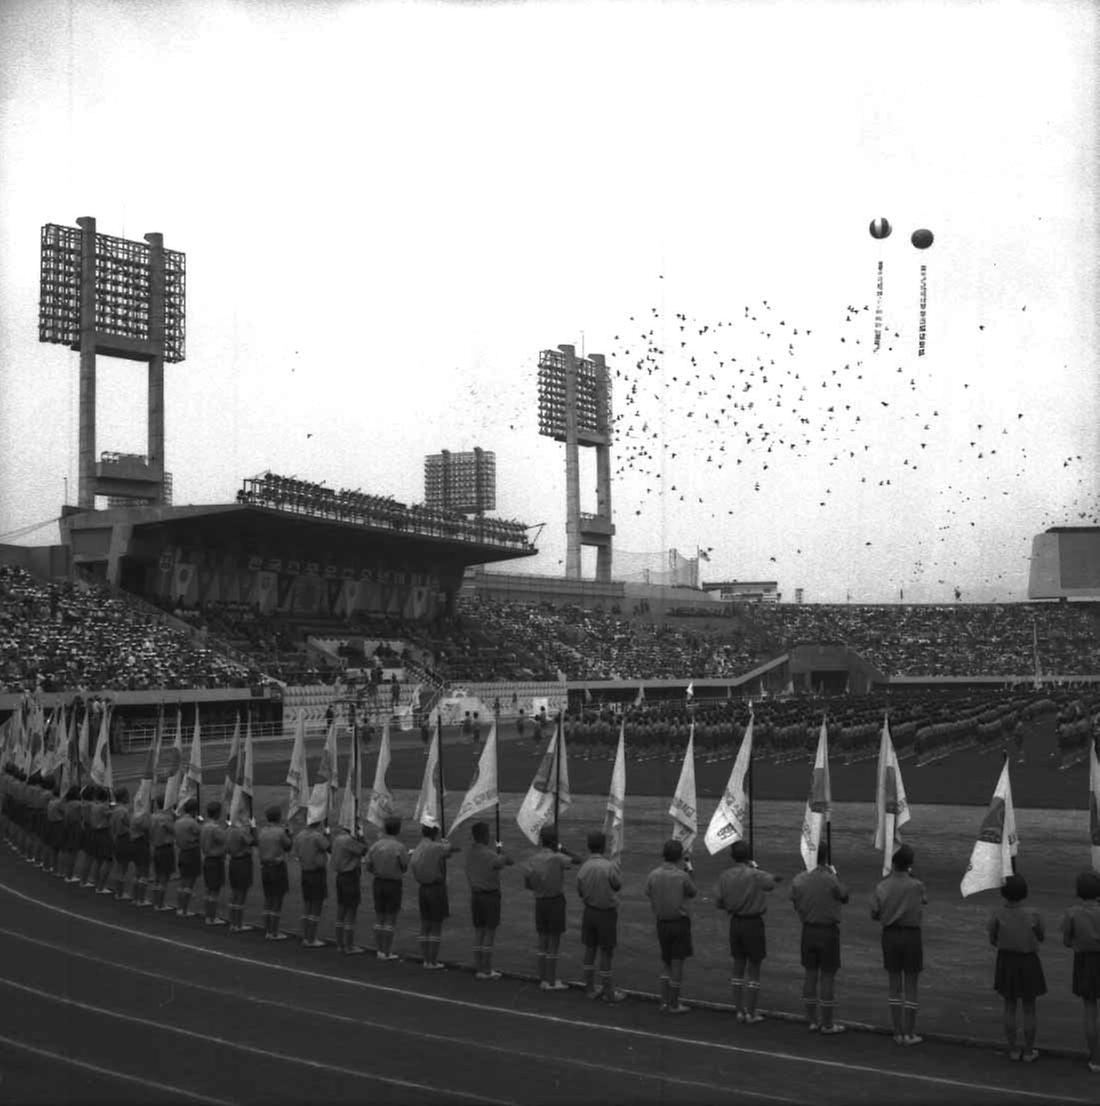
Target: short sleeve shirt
{"type": "Point", "coordinates": [387, 858]}
{"type": "Point", "coordinates": [742, 890]}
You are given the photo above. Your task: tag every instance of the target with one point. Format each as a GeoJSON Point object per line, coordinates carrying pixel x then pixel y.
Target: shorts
{"type": "Point", "coordinates": [1086, 975]}
{"type": "Point", "coordinates": [821, 948]}
{"type": "Point", "coordinates": [674, 937]}
{"type": "Point", "coordinates": [102, 845]}
{"type": "Point", "coordinates": [57, 835]}
{"type": "Point", "coordinates": [139, 854]}
{"type": "Point", "coordinates": [902, 950]}
{"type": "Point", "coordinates": [387, 895]}
{"type": "Point", "coordinates": [213, 873]}
{"type": "Point", "coordinates": [599, 928]}
{"type": "Point", "coordinates": [550, 916]}
{"type": "Point", "coordinates": [87, 840]}
{"type": "Point", "coordinates": [190, 863]}
{"type": "Point", "coordinates": [240, 872]}
{"type": "Point", "coordinates": [747, 938]}
{"type": "Point", "coordinates": [349, 890]}
{"type": "Point", "coordinates": [485, 909]}
{"type": "Point", "coordinates": [123, 852]}
{"type": "Point", "coordinates": [72, 837]}
{"type": "Point", "coordinates": [274, 878]}
{"type": "Point", "coordinates": [434, 906]}
{"type": "Point", "coordinates": [164, 862]}
{"type": "Point", "coordinates": [315, 885]}
{"type": "Point", "coordinates": [1019, 975]}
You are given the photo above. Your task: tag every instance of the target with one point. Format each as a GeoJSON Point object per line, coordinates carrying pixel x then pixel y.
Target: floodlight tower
{"type": "Point", "coordinates": [575, 408]}
{"type": "Point", "coordinates": [114, 297]}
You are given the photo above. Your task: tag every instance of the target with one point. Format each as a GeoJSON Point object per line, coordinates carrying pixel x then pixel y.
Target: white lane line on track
{"type": "Point", "coordinates": [552, 1019]}
{"type": "Point", "coordinates": [179, 1092]}
{"type": "Point", "coordinates": [366, 1023]}
{"type": "Point", "coordinates": [352, 1073]}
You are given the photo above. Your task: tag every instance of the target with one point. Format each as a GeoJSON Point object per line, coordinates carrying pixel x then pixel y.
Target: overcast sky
{"type": "Point", "coordinates": [389, 209]}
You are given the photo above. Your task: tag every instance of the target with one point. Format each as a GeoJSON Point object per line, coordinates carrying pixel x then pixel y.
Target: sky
{"type": "Point", "coordinates": [389, 209]}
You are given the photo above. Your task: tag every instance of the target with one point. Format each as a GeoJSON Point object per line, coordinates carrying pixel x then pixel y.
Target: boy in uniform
{"type": "Point", "coordinates": [274, 844]}
{"type": "Point", "coordinates": [598, 883]}
{"type": "Point", "coordinates": [212, 840]}
{"type": "Point", "coordinates": [99, 818]}
{"type": "Point", "coordinates": [817, 896]}
{"type": "Point", "coordinates": [348, 850]}
{"type": "Point", "coordinates": [669, 887]}
{"type": "Point", "coordinates": [311, 847]}
{"type": "Point", "coordinates": [72, 835]}
{"type": "Point", "coordinates": [140, 853]}
{"type": "Point", "coordinates": [119, 823]}
{"type": "Point", "coordinates": [162, 839]}
{"type": "Point", "coordinates": [55, 821]}
{"type": "Point", "coordinates": [239, 843]}
{"type": "Point", "coordinates": [428, 863]}
{"type": "Point", "coordinates": [483, 865]}
{"type": "Point", "coordinates": [742, 892]}
{"type": "Point", "coordinates": [545, 876]}
{"type": "Point", "coordinates": [388, 861]}
{"type": "Point", "coordinates": [186, 830]}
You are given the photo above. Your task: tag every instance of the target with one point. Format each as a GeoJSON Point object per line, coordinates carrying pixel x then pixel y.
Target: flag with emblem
{"type": "Point", "coordinates": [483, 794]}
{"type": "Point", "coordinates": [380, 806]}
{"type": "Point", "coordinates": [818, 802]}
{"type": "Point", "coordinates": [613, 824]}
{"type": "Point", "coordinates": [232, 764]}
{"type": "Point", "coordinates": [549, 789]}
{"type": "Point", "coordinates": [101, 762]}
{"type": "Point", "coordinates": [192, 777]}
{"type": "Point", "coordinates": [727, 824]}
{"type": "Point", "coordinates": [684, 810]}
{"type": "Point", "coordinates": [240, 806]}
{"type": "Point", "coordinates": [891, 807]}
{"type": "Point", "coordinates": [322, 793]}
{"type": "Point", "coordinates": [143, 798]}
{"type": "Point", "coordinates": [174, 764]}
{"type": "Point", "coordinates": [991, 857]}
{"type": "Point", "coordinates": [429, 804]}
{"type": "Point", "coordinates": [297, 774]}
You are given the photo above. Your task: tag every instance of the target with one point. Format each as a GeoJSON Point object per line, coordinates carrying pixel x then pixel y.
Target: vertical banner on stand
{"type": "Point", "coordinates": [921, 240]}
{"type": "Point", "coordinates": [880, 229]}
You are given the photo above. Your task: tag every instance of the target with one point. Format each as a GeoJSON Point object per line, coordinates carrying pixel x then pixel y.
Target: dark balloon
{"type": "Point", "coordinates": [880, 228]}
{"type": "Point", "coordinates": [922, 239]}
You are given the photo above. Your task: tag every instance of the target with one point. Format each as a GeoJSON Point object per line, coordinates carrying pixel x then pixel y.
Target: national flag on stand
{"type": "Point", "coordinates": [1094, 804]}
{"type": "Point", "coordinates": [240, 806]}
{"type": "Point", "coordinates": [322, 793]}
{"type": "Point", "coordinates": [174, 763]}
{"type": "Point", "coordinates": [684, 810]}
{"type": "Point", "coordinates": [727, 824]}
{"type": "Point", "coordinates": [101, 762]}
{"type": "Point", "coordinates": [143, 799]}
{"type": "Point", "coordinates": [537, 807]}
{"type": "Point", "coordinates": [991, 858]}
{"type": "Point", "coordinates": [818, 802]}
{"type": "Point", "coordinates": [429, 803]}
{"type": "Point", "coordinates": [192, 777]}
{"type": "Point", "coordinates": [232, 765]}
{"type": "Point", "coordinates": [613, 825]}
{"type": "Point", "coordinates": [297, 774]}
{"type": "Point", "coordinates": [891, 807]}
{"type": "Point", "coordinates": [380, 806]}
{"type": "Point", "coordinates": [483, 794]}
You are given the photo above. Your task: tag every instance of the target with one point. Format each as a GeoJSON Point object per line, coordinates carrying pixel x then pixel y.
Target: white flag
{"type": "Point", "coordinates": [428, 804]}
{"type": "Point", "coordinates": [616, 799]}
{"type": "Point", "coordinates": [192, 779]}
{"type": "Point", "coordinates": [175, 777]}
{"type": "Point", "coordinates": [353, 786]}
{"type": "Point", "coordinates": [1094, 804]}
{"type": "Point", "coordinates": [483, 794]}
{"type": "Point", "coordinates": [380, 806]}
{"type": "Point", "coordinates": [991, 858]}
{"type": "Point", "coordinates": [537, 808]}
{"type": "Point", "coordinates": [232, 766]}
{"type": "Point", "coordinates": [101, 762]}
{"type": "Point", "coordinates": [728, 822]}
{"type": "Point", "coordinates": [690, 691]}
{"type": "Point", "coordinates": [891, 807]}
{"type": "Point", "coordinates": [143, 799]}
{"type": "Point", "coordinates": [328, 781]}
{"type": "Point", "coordinates": [818, 802]}
{"type": "Point", "coordinates": [684, 810]}
{"type": "Point", "coordinates": [240, 806]}
{"type": "Point", "coordinates": [297, 774]}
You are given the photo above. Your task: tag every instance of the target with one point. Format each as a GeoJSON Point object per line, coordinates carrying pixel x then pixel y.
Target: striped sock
{"type": "Point", "coordinates": [896, 1015]}
{"type": "Point", "coordinates": [664, 990]}
{"type": "Point", "coordinates": [673, 993]}
{"type": "Point", "coordinates": [737, 985]}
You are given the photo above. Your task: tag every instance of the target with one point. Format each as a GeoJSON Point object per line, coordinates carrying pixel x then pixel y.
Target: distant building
{"type": "Point", "coordinates": [746, 591]}
{"type": "Point", "coordinates": [1065, 563]}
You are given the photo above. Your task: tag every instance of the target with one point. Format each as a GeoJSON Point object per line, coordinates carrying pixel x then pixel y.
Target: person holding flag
{"type": "Point", "coordinates": [187, 834]}
{"type": "Point", "coordinates": [1016, 931]}
{"type": "Point", "coordinates": [891, 807]}
{"type": "Point", "coordinates": [817, 896]}
{"type": "Point", "coordinates": [598, 883]}
{"type": "Point", "coordinates": [669, 888]}
{"type": "Point", "coordinates": [119, 824]}
{"type": "Point", "coordinates": [387, 861]}
{"type": "Point", "coordinates": [429, 869]}
{"type": "Point", "coordinates": [311, 847]}
{"type": "Point", "coordinates": [1081, 932]}
{"type": "Point", "coordinates": [212, 844]}
{"type": "Point", "coordinates": [483, 868]}
{"type": "Point", "coordinates": [684, 810]}
{"type": "Point", "coordinates": [162, 840]}
{"type": "Point", "coordinates": [99, 822]}
{"type": "Point", "coordinates": [140, 850]}
{"type": "Point", "coordinates": [545, 876]}
{"type": "Point", "coordinates": [240, 840]}
{"type": "Point", "coordinates": [274, 844]}
{"type": "Point", "coordinates": [348, 850]}
{"type": "Point", "coordinates": [818, 806]}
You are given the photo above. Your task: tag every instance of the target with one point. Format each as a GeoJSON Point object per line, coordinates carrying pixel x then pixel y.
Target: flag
{"type": "Point", "coordinates": [297, 775]}
{"type": "Point", "coordinates": [175, 767]}
{"type": "Point", "coordinates": [639, 699]}
{"type": "Point", "coordinates": [728, 821]}
{"type": "Point", "coordinates": [587, 695]}
{"type": "Point", "coordinates": [690, 691]}
{"type": "Point", "coordinates": [991, 858]}
{"type": "Point", "coordinates": [616, 799]}
{"type": "Point", "coordinates": [192, 777]}
{"type": "Point", "coordinates": [83, 748]}
{"type": "Point", "coordinates": [819, 801]}
{"type": "Point", "coordinates": [328, 781]}
{"type": "Point", "coordinates": [429, 804]}
{"type": "Point", "coordinates": [143, 799]}
{"type": "Point", "coordinates": [353, 786]}
{"type": "Point", "coordinates": [1094, 804]}
{"type": "Point", "coordinates": [891, 808]}
{"type": "Point", "coordinates": [537, 807]}
{"type": "Point", "coordinates": [684, 810]}
{"type": "Point", "coordinates": [232, 765]}
{"type": "Point", "coordinates": [380, 806]}
{"type": "Point", "coordinates": [101, 762]}
{"type": "Point", "coordinates": [483, 794]}
{"type": "Point", "coordinates": [240, 806]}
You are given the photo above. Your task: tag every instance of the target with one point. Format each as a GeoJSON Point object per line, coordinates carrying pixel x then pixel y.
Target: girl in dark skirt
{"type": "Point", "coordinates": [1015, 931]}
{"type": "Point", "coordinates": [1081, 932]}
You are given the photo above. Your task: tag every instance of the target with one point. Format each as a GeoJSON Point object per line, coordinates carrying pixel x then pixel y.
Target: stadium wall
{"type": "Point", "coordinates": [44, 561]}
{"type": "Point", "coordinates": [1065, 564]}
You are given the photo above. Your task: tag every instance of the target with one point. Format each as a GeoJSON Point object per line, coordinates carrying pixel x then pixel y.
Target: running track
{"type": "Point", "coordinates": [102, 1002]}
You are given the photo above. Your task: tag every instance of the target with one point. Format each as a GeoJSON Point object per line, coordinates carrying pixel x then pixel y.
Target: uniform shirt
{"type": "Point", "coordinates": [668, 889]}
{"type": "Point", "coordinates": [119, 821]}
{"type": "Point", "coordinates": [387, 858]}
{"type": "Point", "coordinates": [742, 889]}
{"type": "Point", "coordinates": [99, 815]}
{"type": "Point", "coordinates": [162, 829]}
{"type": "Point", "coordinates": [310, 847]}
{"type": "Point", "coordinates": [483, 865]}
{"type": "Point", "coordinates": [599, 882]}
{"type": "Point", "coordinates": [1014, 927]}
{"type": "Point", "coordinates": [546, 873]}
{"type": "Point", "coordinates": [1081, 926]}
{"type": "Point", "coordinates": [275, 843]}
{"type": "Point", "coordinates": [55, 812]}
{"type": "Point", "coordinates": [187, 832]}
{"type": "Point", "coordinates": [72, 811]}
{"type": "Point", "coordinates": [898, 900]}
{"type": "Point", "coordinates": [139, 826]}
{"type": "Point", "coordinates": [239, 841]}
{"type": "Point", "coordinates": [212, 839]}
{"type": "Point", "coordinates": [817, 896]}
{"type": "Point", "coordinates": [427, 860]}
{"type": "Point", "coordinates": [347, 853]}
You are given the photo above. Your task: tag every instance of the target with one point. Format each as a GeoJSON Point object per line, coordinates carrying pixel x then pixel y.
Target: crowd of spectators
{"type": "Point", "coordinates": [58, 636]}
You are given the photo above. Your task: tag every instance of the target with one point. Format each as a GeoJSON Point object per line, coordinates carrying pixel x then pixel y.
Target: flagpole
{"type": "Point", "coordinates": [557, 768]}
{"type": "Point", "coordinates": [751, 789]}
{"type": "Point", "coordinates": [496, 769]}
{"type": "Point", "coordinates": [828, 810]}
{"type": "Point", "coordinates": [1004, 764]}
{"type": "Point", "coordinates": [439, 733]}
{"type": "Point", "coordinates": [357, 771]}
